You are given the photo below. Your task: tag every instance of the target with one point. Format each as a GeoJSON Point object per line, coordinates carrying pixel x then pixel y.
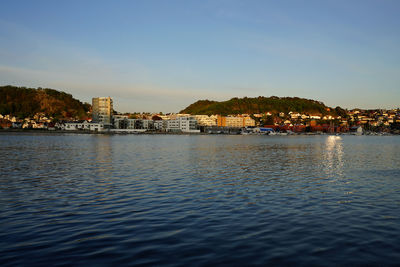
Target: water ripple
{"type": "Point", "coordinates": [199, 200]}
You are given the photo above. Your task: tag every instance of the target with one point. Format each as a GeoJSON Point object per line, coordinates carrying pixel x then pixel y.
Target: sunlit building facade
{"type": "Point", "coordinates": [205, 120]}
{"type": "Point", "coordinates": [235, 121]}
{"type": "Point", "coordinates": [102, 110]}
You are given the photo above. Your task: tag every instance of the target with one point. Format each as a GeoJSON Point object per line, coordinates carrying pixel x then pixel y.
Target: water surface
{"type": "Point", "coordinates": [199, 200]}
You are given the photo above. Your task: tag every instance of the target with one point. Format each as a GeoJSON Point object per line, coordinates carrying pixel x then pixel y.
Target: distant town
{"type": "Point", "coordinates": [103, 119]}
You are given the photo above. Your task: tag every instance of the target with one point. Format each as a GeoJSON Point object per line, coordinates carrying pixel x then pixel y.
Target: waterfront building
{"type": "Point", "coordinates": [102, 110]}
{"type": "Point", "coordinates": [96, 127]}
{"type": "Point", "coordinates": [88, 126]}
{"type": "Point", "coordinates": [120, 123]}
{"type": "Point", "coordinates": [235, 121]}
{"type": "Point", "coordinates": [159, 124]}
{"type": "Point", "coordinates": [173, 125]}
{"type": "Point", "coordinates": [184, 124]}
{"type": "Point", "coordinates": [130, 124]}
{"type": "Point", "coordinates": [148, 124]}
{"type": "Point", "coordinates": [125, 123]}
{"type": "Point", "coordinates": [205, 120]}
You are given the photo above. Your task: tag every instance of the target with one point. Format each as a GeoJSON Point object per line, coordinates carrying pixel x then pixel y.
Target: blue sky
{"type": "Point", "coordinates": [164, 55]}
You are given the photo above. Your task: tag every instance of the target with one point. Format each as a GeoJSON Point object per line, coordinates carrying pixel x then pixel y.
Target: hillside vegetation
{"type": "Point", "coordinates": [259, 104]}
{"type": "Point", "coordinates": [25, 102]}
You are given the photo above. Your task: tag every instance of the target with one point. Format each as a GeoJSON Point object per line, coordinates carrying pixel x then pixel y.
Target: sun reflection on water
{"type": "Point", "coordinates": [333, 156]}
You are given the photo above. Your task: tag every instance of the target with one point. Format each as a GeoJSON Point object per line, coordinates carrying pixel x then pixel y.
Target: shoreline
{"type": "Point", "coordinates": [43, 131]}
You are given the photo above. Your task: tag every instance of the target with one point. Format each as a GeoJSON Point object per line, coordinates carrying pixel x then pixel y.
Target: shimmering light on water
{"type": "Point", "coordinates": [199, 200]}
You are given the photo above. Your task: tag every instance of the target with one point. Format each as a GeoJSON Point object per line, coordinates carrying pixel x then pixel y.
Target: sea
{"type": "Point", "coordinates": [199, 200]}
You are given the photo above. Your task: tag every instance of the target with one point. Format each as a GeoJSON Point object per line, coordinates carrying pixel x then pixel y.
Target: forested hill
{"type": "Point", "coordinates": [26, 102]}
{"type": "Point", "coordinates": [257, 105]}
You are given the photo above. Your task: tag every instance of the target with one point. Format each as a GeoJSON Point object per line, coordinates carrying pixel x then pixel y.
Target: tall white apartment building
{"type": "Point", "coordinates": [102, 110]}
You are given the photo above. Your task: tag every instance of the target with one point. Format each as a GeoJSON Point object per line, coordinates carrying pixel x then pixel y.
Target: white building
{"type": "Point", "coordinates": [184, 124]}
{"type": "Point", "coordinates": [130, 124]}
{"type": "Point", "coordinates": [88, 126]}
{"type": "Point", "coordinates": [160, 125]}
{"type": "Point", "coordinates": [147, 124]}
{"type": "Point", "coordinates": [173, 125]}
{"type": "Point", "coordinates": [205, 120]}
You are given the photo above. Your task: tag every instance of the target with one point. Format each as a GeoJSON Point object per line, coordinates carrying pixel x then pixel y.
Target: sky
{"type": "Point", "coordinates": [161, 56]}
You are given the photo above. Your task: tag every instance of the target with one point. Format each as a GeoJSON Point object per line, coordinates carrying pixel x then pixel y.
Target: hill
{"type": "Point", "coordinates": [25, 102]}
{"type": "Point", "coordinates": [259, 104]}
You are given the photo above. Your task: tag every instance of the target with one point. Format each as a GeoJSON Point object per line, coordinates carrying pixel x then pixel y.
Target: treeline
{"type": "Point", "coordinates": [25, 102]}
{"type": "Point", "coordinates": [259, 104]}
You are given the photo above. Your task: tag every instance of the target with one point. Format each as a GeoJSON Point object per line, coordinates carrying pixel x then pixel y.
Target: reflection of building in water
{"type": "Point", "coordinates": [102, 150]}
{"type": "Point", "coordinates": [102, 169]}
{"type": "Point", "coordinates": [333, 156]}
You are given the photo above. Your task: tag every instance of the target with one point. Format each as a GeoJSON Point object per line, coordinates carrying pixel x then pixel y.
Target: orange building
{"type": "Point", "coordinates": [235, 121]}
